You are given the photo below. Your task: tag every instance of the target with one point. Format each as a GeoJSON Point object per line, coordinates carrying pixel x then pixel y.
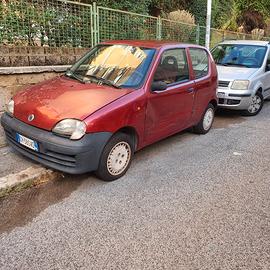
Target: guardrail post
{"type": "Point", "coordinates": [159, 28]}
{"type": "Point", "coordinates": [198, 34]}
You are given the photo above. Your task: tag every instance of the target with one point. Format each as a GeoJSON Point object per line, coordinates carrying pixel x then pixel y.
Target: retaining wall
{"type": "Point", "coordinates": [13, 80]}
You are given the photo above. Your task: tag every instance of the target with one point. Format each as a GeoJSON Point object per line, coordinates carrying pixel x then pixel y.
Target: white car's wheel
{"type": "Point", "coordinates": [255, 105]}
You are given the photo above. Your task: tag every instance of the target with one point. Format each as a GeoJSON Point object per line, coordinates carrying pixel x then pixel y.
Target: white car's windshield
{"type": "Point", "coordinates": [114, 65]}
{"type": "Point", "coordinates": [249, 56]}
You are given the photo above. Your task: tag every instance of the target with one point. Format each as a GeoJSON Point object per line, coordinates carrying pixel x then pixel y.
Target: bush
{"type": "Point", "coordinates": [181, 16]}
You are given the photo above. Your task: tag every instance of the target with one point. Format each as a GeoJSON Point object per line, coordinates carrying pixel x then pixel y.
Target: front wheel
{"type": "Point", "coordinates": [255, 105]}
{"type": "Point", "coordinates": [116, 157]}
{"type": "Point", "coordinates": [207, 120]}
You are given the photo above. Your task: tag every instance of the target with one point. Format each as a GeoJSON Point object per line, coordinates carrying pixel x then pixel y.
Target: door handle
{"type": "Point", "coordinates": [190, 90]}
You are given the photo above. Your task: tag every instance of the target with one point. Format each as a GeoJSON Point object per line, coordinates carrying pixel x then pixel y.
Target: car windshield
{"type": "Point", "coordinates": [247, 56]}
{"type": "Point", "coordinates": [114, 65]}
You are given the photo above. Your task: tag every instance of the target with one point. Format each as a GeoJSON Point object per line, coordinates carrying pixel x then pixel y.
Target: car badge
{"type": "Point", "coordinates": [31, 117]}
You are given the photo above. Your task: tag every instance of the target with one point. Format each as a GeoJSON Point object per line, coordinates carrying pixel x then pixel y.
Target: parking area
{"type": "Point", "coordinates": [187, 202]}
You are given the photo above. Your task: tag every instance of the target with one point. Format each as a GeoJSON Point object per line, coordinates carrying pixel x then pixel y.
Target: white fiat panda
{"type": "Point", "coordinates": [244, 74]}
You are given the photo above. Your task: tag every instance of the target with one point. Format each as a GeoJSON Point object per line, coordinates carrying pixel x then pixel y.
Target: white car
{"type": "Point", "coordinates": [244, 74]}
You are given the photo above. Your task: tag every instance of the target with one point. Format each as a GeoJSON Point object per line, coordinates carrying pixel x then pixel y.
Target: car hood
{"type": "Point", "coordinates": [234, 73]}
{"type": "Point", "coordinates": [61, 98]}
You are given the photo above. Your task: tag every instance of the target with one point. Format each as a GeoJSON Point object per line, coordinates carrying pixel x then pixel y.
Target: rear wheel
{"type": "Point", "coordinates": [207, 120]}
{"type": "Point", "coordinates": [116, 157]}
{"type": "Point", "coordinates": [255, 105]}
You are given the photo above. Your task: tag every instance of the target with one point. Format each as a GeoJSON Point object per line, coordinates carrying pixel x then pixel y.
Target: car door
{"type": "Point", "coordinates": [203, 80]}
{"type": "Point", "coordinates": [170, 110]}
{"type": "Point", "coordinates": [266, 77]}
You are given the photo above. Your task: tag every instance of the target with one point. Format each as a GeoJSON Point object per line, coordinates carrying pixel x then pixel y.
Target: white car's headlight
{"type": "Point", "coordinates": [240, 85]}
{"type": "Point", "coordinates": [70, 127]}
{"type": "Point", "coordinates": [10, 107]}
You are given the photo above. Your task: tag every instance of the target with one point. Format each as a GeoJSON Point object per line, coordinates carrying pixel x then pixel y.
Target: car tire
{"type": "Point", "coordinates": [116, 157]}
{"type": "Point", "coordinates": [255, 106]}
{"type": "Point", "coordinates": [206, 121]}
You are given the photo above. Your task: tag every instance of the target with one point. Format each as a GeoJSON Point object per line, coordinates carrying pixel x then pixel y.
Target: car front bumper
{"type": "Point", "coordinates": [63, 154]}
{"type": "Point", "coordinates": [235, 100]}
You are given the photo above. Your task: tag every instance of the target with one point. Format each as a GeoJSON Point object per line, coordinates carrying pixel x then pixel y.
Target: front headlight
{"type": "Point", "coordinates": [240, 85]}
{"type": "Point", "coordinates": [10, 107]}
{"type": "Point", "coordinates": [70, 127]}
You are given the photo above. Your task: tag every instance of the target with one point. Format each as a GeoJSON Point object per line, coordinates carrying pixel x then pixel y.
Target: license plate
{"type": "Point", "coordinates": [221, 95]}
{"type": "Point", "coordinates": [27, 142]}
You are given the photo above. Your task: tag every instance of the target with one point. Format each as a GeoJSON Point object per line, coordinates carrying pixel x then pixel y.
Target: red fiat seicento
{"type": "Point", "coordinates": [117, 99]}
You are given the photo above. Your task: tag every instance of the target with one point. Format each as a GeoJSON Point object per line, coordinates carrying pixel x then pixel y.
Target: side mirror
{"type": "Point", "coordinates": [267, 68]}
{"type": "Point", "coordinates": [158, 86]}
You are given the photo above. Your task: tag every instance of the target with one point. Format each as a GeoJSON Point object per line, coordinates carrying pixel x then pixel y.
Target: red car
{"type": "Point", "coordinates": [117, 99]}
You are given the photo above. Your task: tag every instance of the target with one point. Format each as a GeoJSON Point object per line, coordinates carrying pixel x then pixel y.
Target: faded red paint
{"type": "Point", "coordinates": [152, 115]}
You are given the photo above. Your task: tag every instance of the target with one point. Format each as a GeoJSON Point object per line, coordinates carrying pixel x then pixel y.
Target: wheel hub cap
{"type": "Point", "coordinates": [208, 119]}
{"type": "Point", "coordinates": [255, 105]}
{"type": "Point", "coordinates": [119, 158]}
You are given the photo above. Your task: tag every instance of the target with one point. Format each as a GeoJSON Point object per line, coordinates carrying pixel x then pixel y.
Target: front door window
{"type": "Point", "coordinates": [173, 67]}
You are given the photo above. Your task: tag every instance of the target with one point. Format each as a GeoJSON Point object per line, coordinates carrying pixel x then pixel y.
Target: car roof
{"type": "Point", "coordinates": [150, 43]}
{"type": "Point", "coordinates": [247, 42]}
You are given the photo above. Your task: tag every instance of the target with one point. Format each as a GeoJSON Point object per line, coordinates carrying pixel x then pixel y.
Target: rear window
{"type": "Point", "coordinates": [200, 62]}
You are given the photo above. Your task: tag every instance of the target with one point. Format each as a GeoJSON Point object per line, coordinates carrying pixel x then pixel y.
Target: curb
{"type": "Point", "coordinates": [29, 177]}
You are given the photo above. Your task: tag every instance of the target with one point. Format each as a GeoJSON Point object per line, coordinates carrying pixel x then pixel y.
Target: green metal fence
{"type": "Point", "coordinates": [118, 24]}
{"type": "Point", "coordinates": [178, 31]}
{"type": "Point", "coordinates": [53, 23]}
{"type": "Point", "coordinates": [62, 23]}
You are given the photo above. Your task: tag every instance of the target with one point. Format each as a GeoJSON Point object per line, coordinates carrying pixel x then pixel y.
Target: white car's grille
{"type": "Point", "coordinates": [223, 83]}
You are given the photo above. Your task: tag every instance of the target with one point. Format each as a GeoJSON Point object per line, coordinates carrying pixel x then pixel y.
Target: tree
{"type": "Point", "coordinates": [199, 9]}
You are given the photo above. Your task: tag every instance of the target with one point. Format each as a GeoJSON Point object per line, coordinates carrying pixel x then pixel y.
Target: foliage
{"type": "Point", "coordinates": [247, 13]}
{"type": "Point", "coordinates": [160, 7]}
{"type": "Point", "coordinates": [181, 16]}
{"type": "Point", "coordinates": [199, 9]}
{"type": "Point", "coordinates": [251, 19]}
{"type": "Point", "coordinates": [267, 28]}
{"type": "Point", "coordinates": [262, 6]}
{"type": "Point", "coordinates": [231, 23]}
{"type": "Point", "coordinates": [221, 12]}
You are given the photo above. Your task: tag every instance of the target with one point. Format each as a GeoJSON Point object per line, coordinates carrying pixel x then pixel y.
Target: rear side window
{"type": "Point", "coordinates": [200, 62]}
{"type": "Point", "coordinates": [173, 67]}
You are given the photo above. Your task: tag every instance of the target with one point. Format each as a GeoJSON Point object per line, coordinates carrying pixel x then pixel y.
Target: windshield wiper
{"type": "Point", "coordinates": [233, 64]}
{"type": "Point", "coordinates": [103, 80]}
{"type": "Point", "coordinates": [71, 74]}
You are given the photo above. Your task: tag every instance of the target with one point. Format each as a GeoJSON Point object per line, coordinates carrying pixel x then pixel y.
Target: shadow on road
{"type": "Point", "coordinates": [20, 208]}
{"type": "Point", "coordinates": [226, 118]}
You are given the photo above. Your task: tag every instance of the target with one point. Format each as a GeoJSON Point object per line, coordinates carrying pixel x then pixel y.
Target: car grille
{"type": "Point", "coordinates": [223, 83]}
{"type": "Point", "coordinates": [50, 156]}
{"type": "Point", "coordinates": [223, 101]}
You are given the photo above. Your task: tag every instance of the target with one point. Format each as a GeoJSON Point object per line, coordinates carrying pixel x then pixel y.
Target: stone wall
{"type": "Point", "coordinates": [13, 80]}
{"type": "Point", "coordinates": [23, 66]}
{"type": "Point", "coordinates": [39, 56]}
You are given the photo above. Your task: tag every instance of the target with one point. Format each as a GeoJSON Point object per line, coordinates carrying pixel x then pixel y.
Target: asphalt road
{"type": "Point", "coordinates": [187, 202]}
